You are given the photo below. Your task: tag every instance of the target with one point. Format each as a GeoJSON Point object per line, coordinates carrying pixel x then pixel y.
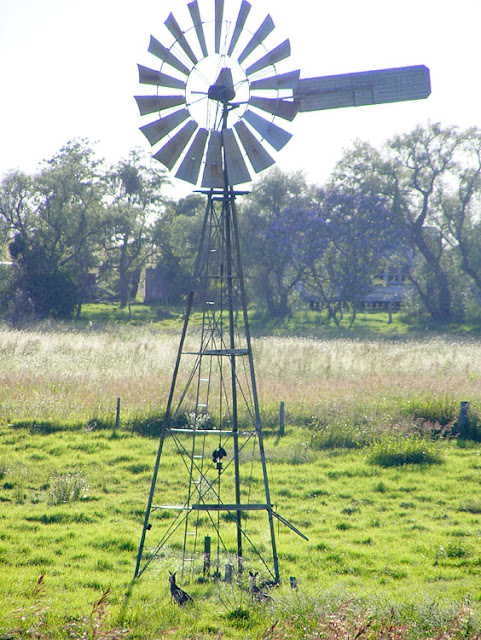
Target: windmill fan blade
{"type": "Point", "coordinates": [283, 81]}
{"type": "Point", "coordinates": [274, 135]}
{"type": "Point", "coordinates": [213, 173]}
{"type": "Point", "coordinates": [278, 107]}
{"type": "Point", "coordinates": [149, 76]}
{"type": "Point", "coordinates": [276, 55]}
{"type": "Point", "coordinates": [258, 156]}
{"type": "Point", "coordinates": [157, 130]}
{"type": "Point", "coordinates": [239, 25]}
{"type": "Point", "coordinates": [152, 104]}
{"type": "Point", "coordinates": [176, 31]}
{"type": "Point", "coordinates": [259, 36]}
{"type": "Point", "coordinates": [190, 167]}
{"type": "Point", "coordinates": [199, 29]}
{"type": "Point", "coordinates": [161, 52]}
{"type": "Point", "coordinates": [358, 89]}
{"type": "Point", "coordinates": [219, 16]}
{"type": "Point", "coordinates": [237, 171]}
{"type": "Point", "coordinates": [172, 150]}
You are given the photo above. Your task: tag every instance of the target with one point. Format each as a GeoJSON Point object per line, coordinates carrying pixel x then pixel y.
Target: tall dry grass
{"type": "Point", "coordinates": [56, 373]}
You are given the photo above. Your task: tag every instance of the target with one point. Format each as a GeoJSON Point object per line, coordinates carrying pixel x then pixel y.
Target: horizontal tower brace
{"type": "Point", "coordinates": [214, 432]}
{"type": "Point", "coordinates": [214, 507]}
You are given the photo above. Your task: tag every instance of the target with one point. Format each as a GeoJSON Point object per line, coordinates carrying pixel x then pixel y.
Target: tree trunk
{"type": "Point", "coordinates": [123, 279]}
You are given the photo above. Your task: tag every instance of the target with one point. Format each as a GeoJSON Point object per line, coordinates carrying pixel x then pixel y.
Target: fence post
{"type": "Point", "coordinates": [117, 416]}
{"type": "Point", "coordinates": [281, 419]}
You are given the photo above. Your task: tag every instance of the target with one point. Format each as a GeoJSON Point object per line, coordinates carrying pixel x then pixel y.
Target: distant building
{"type": "Point", "coordinates": [155, 289]}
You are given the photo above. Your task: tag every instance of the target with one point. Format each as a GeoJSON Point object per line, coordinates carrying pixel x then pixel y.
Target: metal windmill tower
{"type": "Point", "coordinates": [220, 91]}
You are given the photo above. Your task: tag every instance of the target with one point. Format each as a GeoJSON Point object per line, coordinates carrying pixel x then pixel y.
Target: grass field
{"type": "Point", "coordinates": [393, 551]}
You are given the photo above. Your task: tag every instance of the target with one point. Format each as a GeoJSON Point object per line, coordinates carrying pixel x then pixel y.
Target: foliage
{"type": "Point", "coordinates": [274, 202]}
{"type": "Point", "coordinates": [68, 488]}
{"type": "Point", "coordinates": [134, 199]}
{"type": "Point", "coordinates": [431, 178]}
{"type": "Point", "coordinates": [53, 220]}
{"type": "Point", "coordinates": [401, 450]}
{"type": "Point", "coordinates": [355, 237]}
{"type": "Point", "coordinates": [177, 234]}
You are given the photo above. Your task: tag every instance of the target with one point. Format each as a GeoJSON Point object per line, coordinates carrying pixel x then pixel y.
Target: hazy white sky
{"type": "Point", "coordinates": [68, 69]}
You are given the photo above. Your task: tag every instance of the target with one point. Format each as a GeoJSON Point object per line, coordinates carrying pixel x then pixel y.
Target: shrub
{"type": "Point", "coordinates": [68, 488]}
{"type": "Point", "coordinates": [398, 451]}
{"type": "Point", "coordinates": [338, 436]}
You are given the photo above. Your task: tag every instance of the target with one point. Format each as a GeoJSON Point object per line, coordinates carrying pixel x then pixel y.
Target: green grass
{"type": "Point", "coordinates": [401, 533]}
{"type": "Point", "coordinates": [379, 537]}
{"type": "Point", "coordinates": [401, 450]}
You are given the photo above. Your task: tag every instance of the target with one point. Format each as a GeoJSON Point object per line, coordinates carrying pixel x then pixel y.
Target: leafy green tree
{"type": "Point", "coordinates": [418, 173]}
{"type": "Point", "coordinates": [53, 219]}
{"type": "Point", "coordinates": [177, 235]}
{"type": "Point", "coordinates": [134, 200]}
{"type": "Point", "coordinates": [356, 237]}
{"type": "Point", "coordinates": [272, 274]}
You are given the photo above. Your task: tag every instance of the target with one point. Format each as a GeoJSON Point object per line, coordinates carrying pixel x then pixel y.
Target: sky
{"type": "Point", "coordinates": [68, 69]}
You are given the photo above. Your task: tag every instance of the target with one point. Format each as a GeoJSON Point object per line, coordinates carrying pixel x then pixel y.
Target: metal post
{"type": "Point", "coordinates": [226, 207]}
{"type": "Point", "coordinates": [255, 396]}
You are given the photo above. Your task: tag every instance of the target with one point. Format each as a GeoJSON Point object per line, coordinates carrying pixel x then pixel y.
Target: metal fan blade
{"type": "Point", "coordinates": [358, 89]}
{"type": "Point", "coordinates": [274, 135]}
{"type": "Point", "coordinates": [199, 29]}
{"type": "Point", "coordinates": [161, 52]}
{"type": "Point", "coordinates": [152, 104]}
{"type": "Point", "coordinates": [237, 171]}
{"type": "Point", "coordinates": [283, 81]}
{"type": "Point", "coordinates": [190, 167]}
{"type": "Point", "coordinates": [258, 156]}
{"type": "Point", "coordinates": [239, 25]}
{"type": "Point", "coordinates": [157, 130]}
{"type": "Point", "coordinates": [172, 150]}
{"type": "Point", "coordinates": [219, 16]}
{"type": "Point", "coordinates": [276, 55]}
{"type": "Point", "coordinates": [259, 36]}
{"type": "Point", "coordinates": [149, 76]}
{"type": "Point", "coordinates": [176, 31]}
{"type": "Point", "coordinates": [213, 172]}
{"type": "Point", "coordinates": [278, 107]}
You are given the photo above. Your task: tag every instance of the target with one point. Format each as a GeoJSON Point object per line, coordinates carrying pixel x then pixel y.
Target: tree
{"type": "Point", "coordinates": [275, 201]}
{"type": "Point", "coordinates": [358, 237]}
{"type": "Point", "coordinates": [53, 220]}
{"type": "Point", "coordinates": [417, 173]}
{"type": "Point", "coordinates": [177, 235]}
{"type": "Point", "coordinates": [134, 200]}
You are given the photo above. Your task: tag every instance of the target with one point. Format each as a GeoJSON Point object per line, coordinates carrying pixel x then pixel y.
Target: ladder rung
{"type": "Point", "coordinates": [198, 457]}
{"type": "Point", "coordinates": [201, 405]}
{"type": "Point", "coordinates": [204, 379]}
{"type": "Point", "coordinates": [190, 533]}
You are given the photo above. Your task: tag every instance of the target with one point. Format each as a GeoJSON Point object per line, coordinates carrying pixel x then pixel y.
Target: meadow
{"type": "Point", "coordinates": [393, 548]}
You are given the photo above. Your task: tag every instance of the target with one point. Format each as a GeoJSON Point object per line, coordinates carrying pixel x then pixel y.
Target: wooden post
{"type": "Point", "coordinates": [206, 556]}
{"type": "Point", "coordinates": [229, 568]}
{"type": "Point", "coordinates": [117, 416]}
{"type": "Point", "coordinates": [281, 420]}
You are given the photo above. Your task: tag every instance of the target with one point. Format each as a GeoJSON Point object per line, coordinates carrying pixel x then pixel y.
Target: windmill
{"type": "Point", "coordinates": [220, 93]}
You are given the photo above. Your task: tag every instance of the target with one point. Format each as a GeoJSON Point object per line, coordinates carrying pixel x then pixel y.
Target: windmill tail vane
{"type": "Point", "coordinates": [222, 102]}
